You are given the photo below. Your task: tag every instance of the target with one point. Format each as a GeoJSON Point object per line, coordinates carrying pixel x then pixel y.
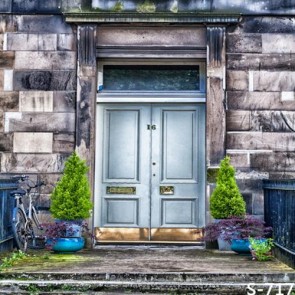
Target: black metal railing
{"type": "Point", "coordinates": [6, 208]}
{"type": "Point", "coordinates": [279, 205]}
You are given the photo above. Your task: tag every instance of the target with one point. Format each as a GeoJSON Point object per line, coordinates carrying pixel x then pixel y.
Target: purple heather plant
{"type": "Point", "coordinates": [237, 228]}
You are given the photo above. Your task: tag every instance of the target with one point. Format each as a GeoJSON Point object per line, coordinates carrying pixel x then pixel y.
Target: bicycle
{"type": "Point", "coordinates": [24, 217]}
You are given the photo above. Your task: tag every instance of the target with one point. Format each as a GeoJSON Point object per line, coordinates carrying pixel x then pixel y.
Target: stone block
{"type": "Point", "coordinates": [30, 142]}
{"type": "Point", "coordinates": [36, 101]}
{"type": "Point", "coordinates": [8, 80]}
{"type": "Point", "coordinates": [273, 81]}
{"type": "Point", "coordinates": [239, 159]}
{"type": "Point", "coordinates": [237, 80]}
{"type": "Point", "coordinates": [258, 203]}
{"type": "Point", "coordinates": [278, 43]}
{"type": "Point", "coordinates": [5, 6]}
{"type": "Point", "coordinates": [9, 101]}
{"type": "Point", "coordinates": [64, 101]}
{"type": "Point", "coordinates": [1, 79]}
{"type": "Point", "coordinates": [63, 143]}
{"type": "Point", "coordinates": [40, 122]}
{"type": "Point", "coordinates": [238, 120]}
{"type": "Point", "coordinates": [6, 59]}
{"type": "Point", "coordinates": [288, 96]}
{"type": "Point", "coordinates": [44, 80]}
{"type": "Point", "coordinates": [273, 162]}
{"type": "Point", "coordinates": [23, 6]}
{"type": "Point", "coordinates": [47, 42]}
{"type": "Point", "coordinates": [32, 163]}
{"type": "Point", "coordinates": [6, 142]}
{"type": "Point", "coordinates": [269, 24]}
{"type": "Point", "coordinates": [260, 62]}
{"type": "Point", "coordinates": [45, 60]}
{"type": "Point", "coordinates": [242, 100]}
{"type": "Point", "coordinates": [66, 42]}
{"type": "Point", "coordinates": [239, 43]}
{"type": "Point", "coordinates": [273, 141]}
{"type": "Point", "coordinates": [21, 41]}
{"type": "Point", "coordinates": [44, 24]}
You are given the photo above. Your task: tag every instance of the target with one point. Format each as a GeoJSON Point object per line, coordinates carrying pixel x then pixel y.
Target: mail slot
{"type": "Point", "coordinates": [121, 190]}
{"type": "Point", "coordinates": [166, 190]}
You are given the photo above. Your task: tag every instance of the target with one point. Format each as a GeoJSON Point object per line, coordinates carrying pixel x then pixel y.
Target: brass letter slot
{"type": "Point", "coordinates": [121, 190]}
{"type": "Point", "coordinates": [166, 190]}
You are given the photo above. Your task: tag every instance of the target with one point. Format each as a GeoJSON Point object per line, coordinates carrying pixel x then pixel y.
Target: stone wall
{"type": "Point", "coordinates": [37, 94]}
{"type": "Point", "coordinates": [261, 103]}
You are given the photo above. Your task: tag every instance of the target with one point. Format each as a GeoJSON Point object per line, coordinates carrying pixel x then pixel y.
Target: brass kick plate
{"type": "Point", "coordinates": [166, 190]}
{"type": "Point", "coordinates": [121, 190]}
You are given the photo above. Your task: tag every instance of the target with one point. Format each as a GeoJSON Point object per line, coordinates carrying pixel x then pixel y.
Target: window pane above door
{"type": "Point", "coordinates": [151, 78]}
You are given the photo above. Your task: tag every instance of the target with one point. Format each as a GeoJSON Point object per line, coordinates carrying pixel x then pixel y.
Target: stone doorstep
{"type": "Point", "coordinates": [147, 287]}
{"type": "Point", "coordinates": [161, 277]}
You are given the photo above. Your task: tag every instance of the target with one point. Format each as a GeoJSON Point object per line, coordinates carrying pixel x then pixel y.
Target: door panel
{"type": "Point", "coordinates": [178, 155]}
{"type": "Point", "coordinates": [151, 172]}
{"type": "Point", "coordinates": [124, 184]}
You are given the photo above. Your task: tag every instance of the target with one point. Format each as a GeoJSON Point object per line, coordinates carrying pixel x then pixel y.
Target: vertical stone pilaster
{"type": "Point", "coordinates": [86, 93]}
{"type": "Point", "coordinates": [215, 95]}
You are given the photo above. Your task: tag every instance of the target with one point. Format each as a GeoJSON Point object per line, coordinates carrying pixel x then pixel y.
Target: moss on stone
{"type": "Point", "coordinates": [146, 7]}
{"type": "Point", "coordinates": [212, 174]}
{"type": "Point", "coordinates": [119, 6]}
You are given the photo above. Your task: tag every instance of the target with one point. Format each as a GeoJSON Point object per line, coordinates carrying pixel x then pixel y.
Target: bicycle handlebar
{"type": "Point", "coordinates": [30, 184]}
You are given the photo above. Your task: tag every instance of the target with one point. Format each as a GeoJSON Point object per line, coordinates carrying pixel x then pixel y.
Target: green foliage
{"type": "Point", "coordinates": [119, 6]}
{"type": "Point", "coordinates": [146, 7]}
{"type": "Point", "coordinates": [10, 261]}
{"type": "Point", "coordinates": [70, 200]}
{"type": "Point", "coordinates": [261, 249]}
{"type": "Point", "coordinates": [226, 200]}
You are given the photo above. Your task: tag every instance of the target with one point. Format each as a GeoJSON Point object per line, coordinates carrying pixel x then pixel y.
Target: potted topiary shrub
{"type": "Point", "coordinates": [70, 204]}
{"type": "Point", "coordinates": [226, 199]}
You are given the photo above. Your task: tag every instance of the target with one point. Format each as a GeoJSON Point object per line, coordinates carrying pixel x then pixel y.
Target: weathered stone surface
{"type": "Point", "coordinates": [42, 122]}
{"type": "Point", "coordinates": [6, 59]}
{"type": "Point", "coordinates": [269, 24]}
{"type": "Point", "coordinates": [215, 122]}
{"type": "Point", "coordinates": [240, 100]}
{"type": "Point", "coordinates": [237, 80]}
{"type": "Point", "coordinates": [258, 62]}
{"type": "Point", "coordinates": [66, 42]}
{"type": "Point", "coordinates": [5, 6]}
{"type": "Point", "coordinates": [278, 43]}
{"type": "Point", "coordinates": [44, 80]}
{"type": "Point", "coordinates": [1, 121]}
{"type": "Point", "coordinates": [238, 121]}
{"type": "Point", "coordinates": [243, 43]}
{"type": "Point", "coordinates": [274, 81]}
{"type": "Point", "coordinates": [279, 161]}
{"type": "Point", "coordinates": [45, 60]}
{"type": "Point", "coordinates": [43, 23]}
{"type": "Point", "coordinates": [215, 46]}
{"type": "Point", "coordinates": [64, 101]}
{"type": "Point", "coordinates": [63, 143]}
{"type": "Point", "coordinates": [8, 80]}
{"type": "Point", "coordinates": [47, 42]}
{"type": "Point", "coordinates": [258, 203]}
{"type": "Point", "coordinates": [266, 121]}
{"type": "Point", "coordinates": [31, 163]}
{"type": "Point", "coordinates": [1, 79]}
{"type": "Point", "coordinates": [30, 142]}
{"type": "Point", "coordinates": [9, 101]}
{"type": "Point", "coordinates": [36, 101]}
{"type": "Point", "coordinates": [239, 159]}
{"type": "Point", "coordinates": [7, 23]}
{"type": "Point", "coordinates": [261, 141]}
{"type": "Point", "coordinates": [1, 41]}
{"type": "Point", "coordinates": [21, 41]}
{"type": "Point", "coordinates": [5, 142]}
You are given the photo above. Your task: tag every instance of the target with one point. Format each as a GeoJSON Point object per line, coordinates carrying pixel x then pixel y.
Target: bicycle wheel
{"type": "Point", "coordinates": [19, 228]}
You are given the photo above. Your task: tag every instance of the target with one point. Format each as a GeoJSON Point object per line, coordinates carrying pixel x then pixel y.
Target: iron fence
{"type": "Point", "coordinates": [279, 205]}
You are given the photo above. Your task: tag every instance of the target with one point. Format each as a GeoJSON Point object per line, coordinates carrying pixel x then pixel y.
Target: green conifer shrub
{"type": "Point", "coordinates": [70, 199]}
{"type": "Point", "coordinates": [226, 200]}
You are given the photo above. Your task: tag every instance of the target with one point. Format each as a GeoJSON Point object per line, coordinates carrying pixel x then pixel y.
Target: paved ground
{"type": "Point", "coordinates": [147, 259]}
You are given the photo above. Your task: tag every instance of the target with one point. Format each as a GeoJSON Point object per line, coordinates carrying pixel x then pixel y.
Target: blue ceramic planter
{"type": "Point", "coordinates": [240, 246]}
{"type": "Point", "coordinates": [66, 244]}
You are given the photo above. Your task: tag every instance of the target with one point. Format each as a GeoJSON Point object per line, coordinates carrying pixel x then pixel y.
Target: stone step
{"type": "Point", "coordinates": [121, 287]}
{"type": "Point", "coordinates": [267, 277]}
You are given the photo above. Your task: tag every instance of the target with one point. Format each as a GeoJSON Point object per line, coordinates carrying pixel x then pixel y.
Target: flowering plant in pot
{"type": "Point", "coordinates": [70, 200]}
{"type": "Point", "coordinates": [237, 230]}
{"type": "Point", "coordinates": [226, 199]}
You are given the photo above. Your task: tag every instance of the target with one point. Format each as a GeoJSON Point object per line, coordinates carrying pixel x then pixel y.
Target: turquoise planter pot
{"type": "Point", "coordinates": [240, 246]}
{"type": "Point", "coordinates": [65, 245]}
